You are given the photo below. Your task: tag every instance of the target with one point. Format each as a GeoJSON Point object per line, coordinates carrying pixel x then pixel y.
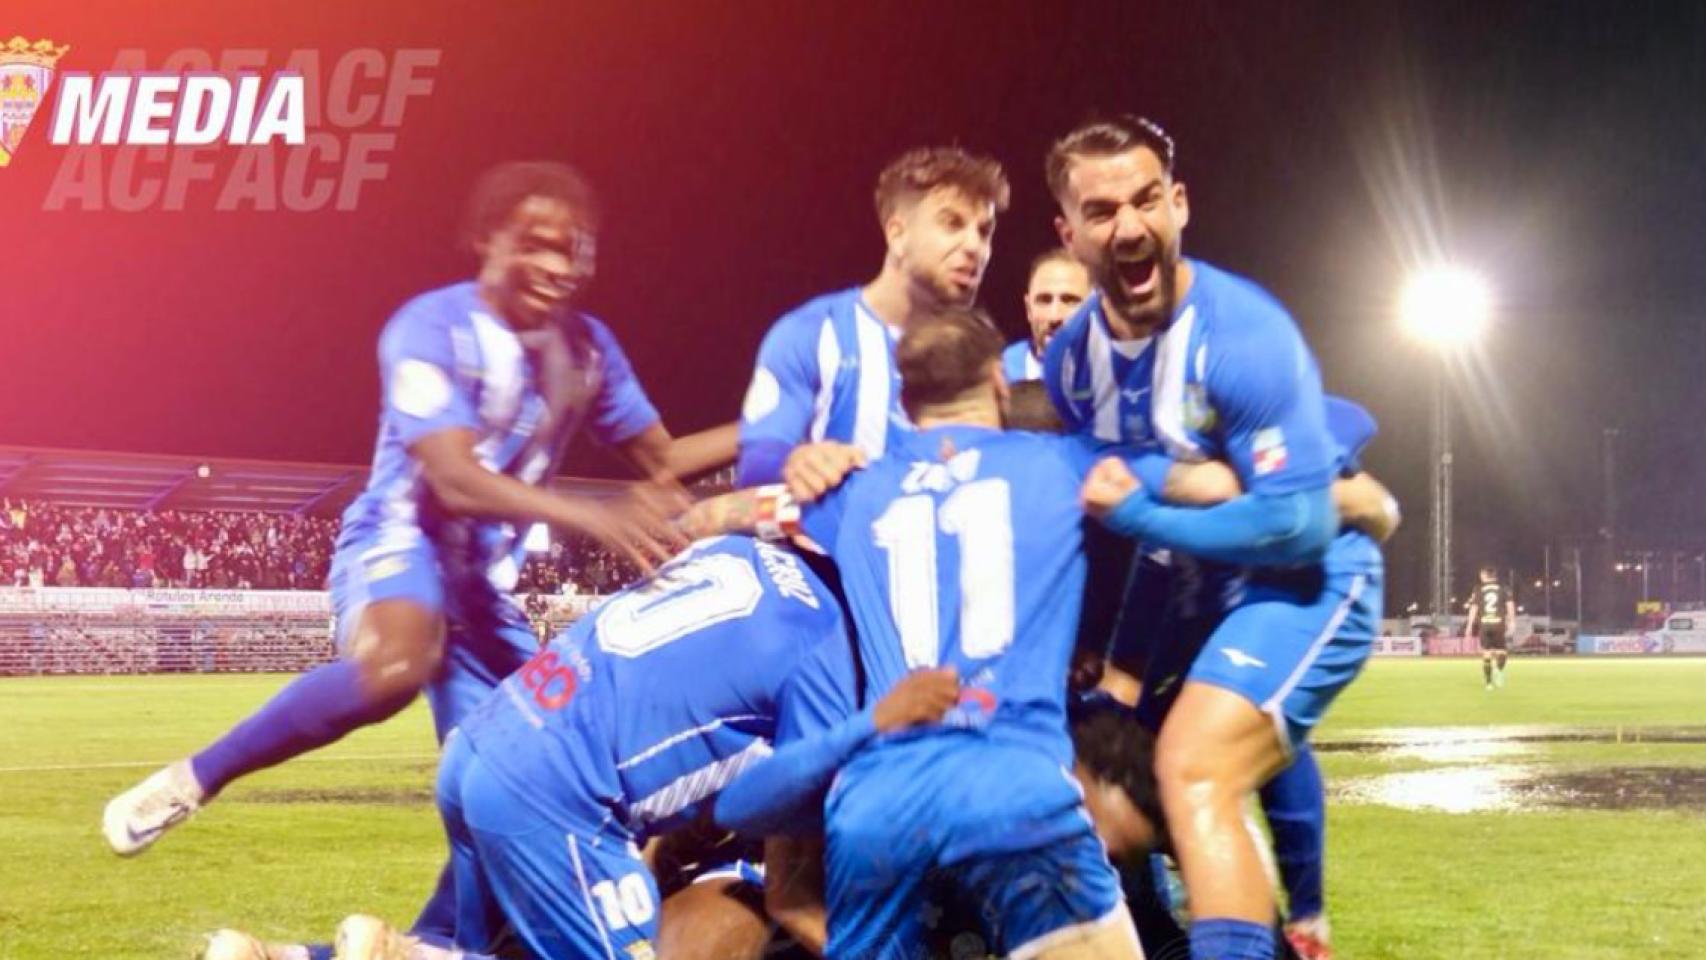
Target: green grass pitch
{"type": "Point", "coordinates": [289, 852]}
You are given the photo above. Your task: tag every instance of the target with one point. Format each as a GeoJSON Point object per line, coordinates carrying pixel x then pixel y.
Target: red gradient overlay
{"type": "Point", "coordinates": [735, 145]}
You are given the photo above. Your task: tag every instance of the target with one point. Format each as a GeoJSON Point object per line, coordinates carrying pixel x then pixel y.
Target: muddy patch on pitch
{"type": "Point", "coordinates": [371, 796]}
{"type": "Point", "coordinates": [1469, 744]}
{"type": "Point", "coordinates": [1512, 788]}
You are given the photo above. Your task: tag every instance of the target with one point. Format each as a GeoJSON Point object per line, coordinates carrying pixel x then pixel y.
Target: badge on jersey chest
{"type": "Point", "coordinates": [1134, 427]}
{"type": "Point", "coordinates": [1135, 409]}
{"type": "Point", "coordinates": [1199, 416]}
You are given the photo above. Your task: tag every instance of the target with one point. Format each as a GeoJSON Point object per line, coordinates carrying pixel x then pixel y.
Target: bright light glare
{"type": "Point", "coordinates": [1446, 306]}
{"type": "Point", "coordinates": [538, 539]}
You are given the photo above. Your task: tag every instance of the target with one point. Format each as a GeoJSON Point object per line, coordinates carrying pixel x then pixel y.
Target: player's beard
{"type": "Point", "coordinates": [1157, 311]}
{"type": "Point", "coordinates": [951, 294]}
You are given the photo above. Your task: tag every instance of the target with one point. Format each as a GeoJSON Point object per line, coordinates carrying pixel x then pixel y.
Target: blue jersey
{"type": "Point", "coordinates": [447, 361]}
{"type": "Point", "coordinates": [655, 700]}
{"type": "Point", "coordinates": [1229, 378]}
{"type": "Point", "coordinates": [818, 727]}
{"type": "Point", "coordinates": [825, 372]}
{"type": "Point", "coordinates": [965, 546]}
{"type": "Point", "coordinates": [1185, 391]}
{"type": "Point", "coordinates": [823, 692]}
{"type": "Point", "coordinates": [1019, 363]}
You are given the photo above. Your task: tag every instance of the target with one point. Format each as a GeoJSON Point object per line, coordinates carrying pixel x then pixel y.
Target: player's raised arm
{"type": "Point", "coordinates": [780, 401]}
{"type": "Point", "coordinates": [1251, 529]}
{"type": "Point", "coordinates": [1361, 501]}
{"type": "Point", "coordinates": [704, 451]}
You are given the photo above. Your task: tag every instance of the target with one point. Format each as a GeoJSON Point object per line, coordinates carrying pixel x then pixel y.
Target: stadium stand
{"type": "Point", "coordinates": [48, 545]}
{"type": "Point", "coordinates": [125, 563]}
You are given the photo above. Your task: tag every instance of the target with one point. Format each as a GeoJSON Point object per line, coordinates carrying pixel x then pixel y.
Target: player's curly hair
{"type": "Point", "coordinates": [506, 186]}
{"type": "Point", "coordinates": [917, 172]}
{"type": "Point", "coordinates": [1110, 742]}
{"type": "Point", "coordinates": [1102, 137]}
{"type": "Point", "coordinates": [941, 358]}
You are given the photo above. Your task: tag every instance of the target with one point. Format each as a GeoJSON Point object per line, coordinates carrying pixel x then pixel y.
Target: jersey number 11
{"type": "Point", "coordinates": [978, 516]}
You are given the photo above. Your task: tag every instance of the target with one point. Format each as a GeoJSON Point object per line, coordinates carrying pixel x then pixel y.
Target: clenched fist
{"type": "Point", "coordinates": [1107, 486]}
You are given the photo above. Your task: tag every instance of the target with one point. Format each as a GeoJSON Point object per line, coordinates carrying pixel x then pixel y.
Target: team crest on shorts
{"type": "Point", "coordinates": [26, 71]}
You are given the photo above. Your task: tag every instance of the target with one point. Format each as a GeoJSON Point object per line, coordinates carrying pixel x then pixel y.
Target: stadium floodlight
{"type": "Point", "coordinates": [1445, 306]}
{"type": "Point", "coordinates": [537, 539]}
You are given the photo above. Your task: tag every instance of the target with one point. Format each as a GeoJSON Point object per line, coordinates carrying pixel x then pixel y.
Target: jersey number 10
{"type": "Point", "coordinates": [684, 598]}
{"type": "Point", "coordinates": [978, 515]}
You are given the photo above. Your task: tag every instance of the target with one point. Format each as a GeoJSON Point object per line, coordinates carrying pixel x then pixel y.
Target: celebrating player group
{"type": "Point", "coordinates": [991, 652]}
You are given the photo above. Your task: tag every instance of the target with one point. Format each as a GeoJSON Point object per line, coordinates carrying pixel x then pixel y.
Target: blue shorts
{"type": "Point", "coordinates": [568, 885]}
{"type": "Point", "coordinates": [1297, 638]}
{"type": "Point", "coordinates": [959, 817]}
{"type": "Point", "coordinates": [487, 637]}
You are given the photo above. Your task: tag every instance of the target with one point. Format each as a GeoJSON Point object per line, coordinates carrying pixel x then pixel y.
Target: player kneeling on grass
{"type": "Point", "coordinates": [621, 729]}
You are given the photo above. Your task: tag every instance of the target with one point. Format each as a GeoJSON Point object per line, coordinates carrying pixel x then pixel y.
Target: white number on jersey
{"type": "Point", "coordinates": [625, 903]}
{"type": "Point", "coordinates": [684, 598]}
{"type": "Point", "coordinates": [979, 516]}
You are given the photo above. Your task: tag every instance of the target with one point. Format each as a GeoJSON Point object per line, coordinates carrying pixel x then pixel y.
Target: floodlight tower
{"type": "Point", "coordinates": [1447, 308]}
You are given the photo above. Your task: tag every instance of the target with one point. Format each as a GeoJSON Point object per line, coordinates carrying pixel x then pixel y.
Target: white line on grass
{"type": "Point", "coordinates": [128, 764]}
{"type": "Point", "coordinates": [16, 685]}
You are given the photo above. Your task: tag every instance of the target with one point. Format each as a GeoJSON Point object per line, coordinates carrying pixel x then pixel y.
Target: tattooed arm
{"type": "Point", "coordinates": [736, 512]}
{"type": "Point", "coordinates": [772, 511]}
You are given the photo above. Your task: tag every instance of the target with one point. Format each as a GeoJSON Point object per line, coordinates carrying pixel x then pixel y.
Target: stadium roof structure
{"type": "Point", "coordinates": [142, 481]}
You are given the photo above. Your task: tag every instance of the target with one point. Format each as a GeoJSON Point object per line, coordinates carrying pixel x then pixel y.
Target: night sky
{"type": "Point", "coordinates": [1327, 146]}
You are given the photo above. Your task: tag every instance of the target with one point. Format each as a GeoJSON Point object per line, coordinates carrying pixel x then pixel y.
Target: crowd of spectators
{"type": "Point", "coordinates": [575, 566]}
{"type": "Point", "coordinates": [52, 545]}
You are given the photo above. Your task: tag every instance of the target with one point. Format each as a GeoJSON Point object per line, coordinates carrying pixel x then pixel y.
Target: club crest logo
{"type": "Point", "coordinates": [26, 72]}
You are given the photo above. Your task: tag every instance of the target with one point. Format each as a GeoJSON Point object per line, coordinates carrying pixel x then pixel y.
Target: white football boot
{"type": "Point", "coordinates": [137, 817]}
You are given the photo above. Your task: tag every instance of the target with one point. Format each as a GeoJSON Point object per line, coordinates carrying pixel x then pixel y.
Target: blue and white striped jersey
{"type": "Point", "coordinates": [825, 371]}
{"type": "Point", "coordinates": [1229, 378]}
{"type": "Point", "coordinates": [448, 361]}
{"type": "Point", "coordinates": [1019, 364]}
{"type": "Point", "coordinates": [667, 691]}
